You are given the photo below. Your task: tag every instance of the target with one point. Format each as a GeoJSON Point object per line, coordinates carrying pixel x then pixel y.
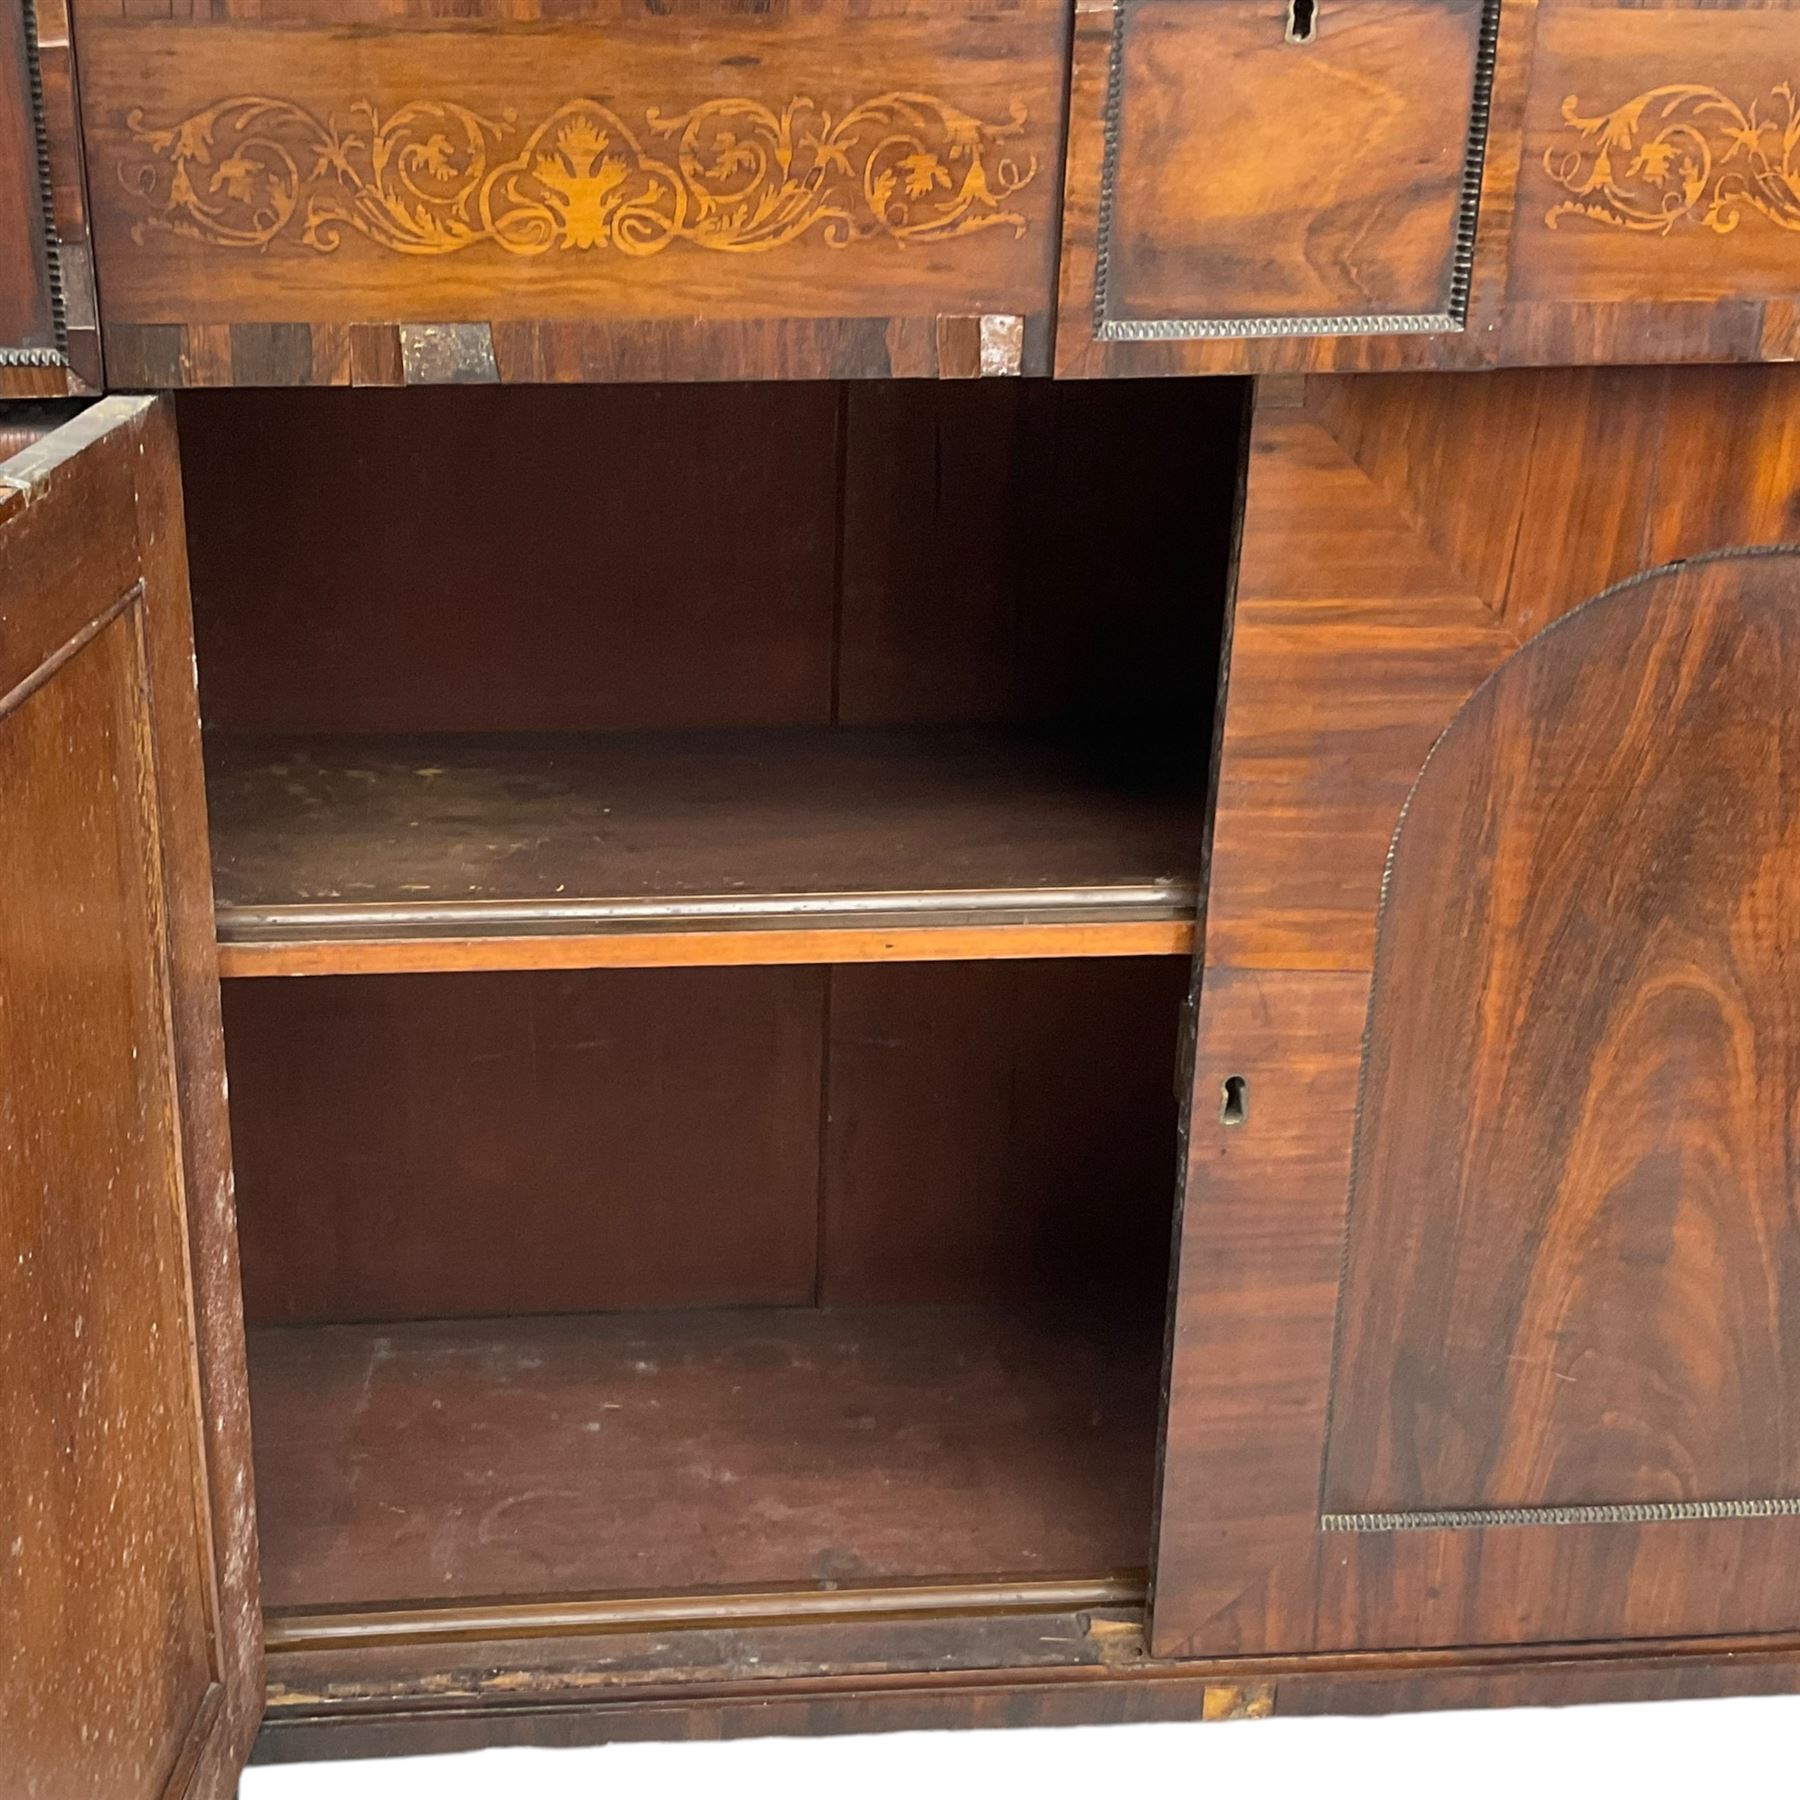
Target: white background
{"type": "Point", "coordinates": [1697, 1749]}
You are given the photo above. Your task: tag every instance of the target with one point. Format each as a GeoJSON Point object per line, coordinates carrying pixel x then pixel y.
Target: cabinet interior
{"type": "Point", "coordinates": [740, 849]}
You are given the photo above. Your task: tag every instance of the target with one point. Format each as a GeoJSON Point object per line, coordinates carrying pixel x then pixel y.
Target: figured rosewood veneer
{"type": "Point", "coordinates": [1574, 1152]}
{"type": "Point", "coordinates": [1327, 187]}
{"type": "Point", "coordinates": [1565, 1319]}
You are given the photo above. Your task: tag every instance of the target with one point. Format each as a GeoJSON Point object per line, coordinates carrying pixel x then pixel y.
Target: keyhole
{"type": "Point", "coordinates": [1234, 1101]}
{"type": "Point", "coordinates": [1303, 18]}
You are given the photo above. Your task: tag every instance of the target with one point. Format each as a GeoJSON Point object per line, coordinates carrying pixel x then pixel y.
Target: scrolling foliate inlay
{"type": "Point", "coordinates": [1680, 154]}
{"type": "Point", "coordinates": [434, 177]}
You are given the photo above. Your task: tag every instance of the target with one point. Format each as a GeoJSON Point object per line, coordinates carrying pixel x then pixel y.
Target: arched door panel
{"type": "Point", "coordinates": [1573, 1271]}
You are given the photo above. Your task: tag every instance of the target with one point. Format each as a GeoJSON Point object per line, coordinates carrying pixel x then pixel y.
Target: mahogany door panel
{"type": "Point", "coordinates": [1558, 1132]}
{"type": "Point", "coordinates": [130, 1655]}
{"type": "Point", "coordinates": [49, 340]}
{"type": "Point", "coordinates": [321, 193]}
{"type": "Point", "coordinates": [1574, 1274]}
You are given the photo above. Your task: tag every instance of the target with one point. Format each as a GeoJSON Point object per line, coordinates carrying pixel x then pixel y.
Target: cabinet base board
{"type": "Point", "coordinates": [365, 1706]}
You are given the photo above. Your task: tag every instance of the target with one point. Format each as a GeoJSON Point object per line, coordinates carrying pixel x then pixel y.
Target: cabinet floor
{"type": "Point", "coordinates": [687, 1452]}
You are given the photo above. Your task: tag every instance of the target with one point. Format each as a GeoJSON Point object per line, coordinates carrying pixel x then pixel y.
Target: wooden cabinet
{"type": "Point", "coordinates": [900, 1053]}
{"type": "Point", "coordinates": [704, 1038]}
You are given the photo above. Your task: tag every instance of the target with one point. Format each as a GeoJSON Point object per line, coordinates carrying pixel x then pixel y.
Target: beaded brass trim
{"type": "Point", "coordinates": [1651, 1512]}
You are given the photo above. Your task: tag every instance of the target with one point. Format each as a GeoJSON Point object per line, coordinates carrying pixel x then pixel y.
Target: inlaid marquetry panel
{"type": "Point", "coordinates": [617, 193]}
{"type": "Point", "coordinates": [434, 177]}
{"type": "Point", "coordinates": [1661, 156]}
{"type": "Point", "coordinates": [1680, 154]}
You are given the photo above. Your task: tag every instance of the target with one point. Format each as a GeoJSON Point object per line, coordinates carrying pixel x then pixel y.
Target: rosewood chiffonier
{"type": "Point", "coordinates": [888, 863]}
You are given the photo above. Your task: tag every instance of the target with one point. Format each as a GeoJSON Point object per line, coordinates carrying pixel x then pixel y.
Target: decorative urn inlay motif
{"type": "Point", "coordinates": [1682, 154]}
{"type": "Point", "coordinates": [434, 177]}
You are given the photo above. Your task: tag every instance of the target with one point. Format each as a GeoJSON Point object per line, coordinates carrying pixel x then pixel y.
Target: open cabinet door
{"type": "Point", "coordinates": [1488, 1318]}
{"type": "Point", "coordinates": [130, 1656]}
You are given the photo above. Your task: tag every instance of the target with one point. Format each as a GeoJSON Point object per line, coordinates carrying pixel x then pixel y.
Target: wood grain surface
{"type": "Point", "coordinates": [697, 1451]}
{"type": "Point", "coordinates": [588, 192]}
{"type": "Point", "coordinates": [489, 1144]}
{"type": "Point", "coordinates": [370, 842]}
{"type": "Point", "coordinates": [1490, 507]}
{"type": "Point", "coordinates": [1323, 178]}
{"type": "Point", "coordinates": [1403, 535]}
{"type": "Point", "coordinates": [990, 938]}
{"type": "Point", "coordinates": [129, 1640]}
{"type": "Point", "coordinates": [1572, 1279]}
{"type": "Point", "coordinates": [1630, 188]}
{"type": "Point", "coordinates": [1255, 1286]}
{"type": "Point", "coordinates": [216, 1289]}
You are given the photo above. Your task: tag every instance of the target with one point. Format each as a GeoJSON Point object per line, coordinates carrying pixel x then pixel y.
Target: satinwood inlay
{"type": "Point", "coordinates": [434, 176]}
{"type": "Point", "coordinates": [1684, 154]}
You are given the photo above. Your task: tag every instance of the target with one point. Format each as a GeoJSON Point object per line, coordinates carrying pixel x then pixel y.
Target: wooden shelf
{"type": "Point", "coordinates": [560, 1460]}
{"type": "Point", "coordinates": [379, 855]}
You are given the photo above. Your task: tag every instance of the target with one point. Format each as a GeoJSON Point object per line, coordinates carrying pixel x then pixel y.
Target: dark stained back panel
{"type": "Point", "coordinates": [455, 1145]}
{"type": "Point", "coordinates": [618, 558]}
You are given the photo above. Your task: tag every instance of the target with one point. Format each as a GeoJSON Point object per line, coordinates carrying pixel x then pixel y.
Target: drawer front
{"type": "Point", "coordinates": [1260, 169]}
{"type": "Point", "coordinates": [633, 193]}
{"type": "Point", "coordinates": [1659, 180]}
